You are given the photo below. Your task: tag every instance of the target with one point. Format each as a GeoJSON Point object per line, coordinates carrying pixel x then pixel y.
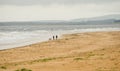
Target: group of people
{"type": "Point", "coordinates": [54, 37]}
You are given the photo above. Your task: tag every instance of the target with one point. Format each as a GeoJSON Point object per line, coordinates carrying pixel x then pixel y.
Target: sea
{"type": "Point", "coordinates": [13, 35]}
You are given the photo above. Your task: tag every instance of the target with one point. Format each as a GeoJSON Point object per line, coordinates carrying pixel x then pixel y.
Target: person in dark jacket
{"type": "Point", "coordinates": [56, 37]}
{"type": "Point", "coordinates": [53, 37]}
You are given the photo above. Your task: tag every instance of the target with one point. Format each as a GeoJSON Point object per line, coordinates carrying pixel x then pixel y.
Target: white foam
{"type": "Point", "coordinates": [16, 39]}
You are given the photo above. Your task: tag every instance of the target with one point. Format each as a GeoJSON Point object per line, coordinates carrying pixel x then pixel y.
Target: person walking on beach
{"type": "Point", "coordinates": [53, 37]}
{"type": "Point", "coordinates": [56, 37]}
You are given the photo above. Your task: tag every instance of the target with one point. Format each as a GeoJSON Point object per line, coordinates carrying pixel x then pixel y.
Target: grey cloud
{"type": "Point", "coordinates": [49, 2]}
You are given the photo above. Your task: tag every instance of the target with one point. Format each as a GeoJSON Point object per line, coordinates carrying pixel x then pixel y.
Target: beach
{"type": "Point", "coordinates": [89, 51]}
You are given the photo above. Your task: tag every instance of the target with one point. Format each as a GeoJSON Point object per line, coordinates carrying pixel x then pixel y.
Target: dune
{"type": "Point", "coordinates": [93, 51]}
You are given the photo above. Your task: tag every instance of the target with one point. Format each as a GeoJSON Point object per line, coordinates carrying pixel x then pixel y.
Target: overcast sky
{"type": "Point", "coordinates": [35, 10]}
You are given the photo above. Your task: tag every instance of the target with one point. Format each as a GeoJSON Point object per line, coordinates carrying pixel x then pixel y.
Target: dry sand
{"type": "Point", "coordinates": [96, 51]}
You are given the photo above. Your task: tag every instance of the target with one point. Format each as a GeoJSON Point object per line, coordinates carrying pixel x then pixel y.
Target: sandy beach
{"type": "Point", "coordinates": [93, 51]}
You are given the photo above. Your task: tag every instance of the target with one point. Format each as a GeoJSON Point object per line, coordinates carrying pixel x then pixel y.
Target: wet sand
{"type": "Point", "coordinates": [94, 51]}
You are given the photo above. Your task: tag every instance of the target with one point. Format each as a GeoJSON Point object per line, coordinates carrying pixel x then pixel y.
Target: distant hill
{"type": "Point", "coordinates": [117, 21]}
{"type": "Point", "coordinates": [102, 19]}
{"type": "Point", "coordinates": [106, 17]}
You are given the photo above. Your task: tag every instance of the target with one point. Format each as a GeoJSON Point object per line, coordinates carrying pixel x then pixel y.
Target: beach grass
{"type": "Point", "coordinates": [23, 69]}
{"type": "Point", "coordinates": [3, 67]}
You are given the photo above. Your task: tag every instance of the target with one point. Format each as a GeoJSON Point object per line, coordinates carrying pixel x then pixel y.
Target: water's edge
{"type": "Point", "coordinates": [40, 37]}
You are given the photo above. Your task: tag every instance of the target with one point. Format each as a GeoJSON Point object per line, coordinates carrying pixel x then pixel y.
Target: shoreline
{"type": "Point", "coordinates": [91, 51]}
{"type": "Point", "coordinates": [60, 37]}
